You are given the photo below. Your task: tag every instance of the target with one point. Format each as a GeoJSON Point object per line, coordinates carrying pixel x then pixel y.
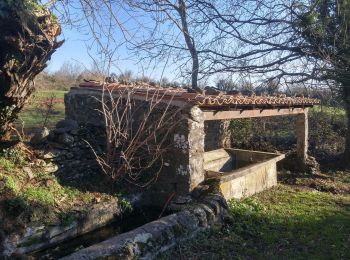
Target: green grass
{"type": "Point", "coordinates": [7, 164]}
{"type": "Point", "coordinates": [40, 195]}
{"type": "Point", "coordinates": [12, 158]}
{"type": "Point", "coordinates": [10, 183]}
{"type": "Point", "coordinates": [281, 223]}
{"type": "Point", "coordinates": [40, 199]}
{"type": "Point", "coordinates": [49, 93]}
{"type": "Point", "coordinates": [34, 112]}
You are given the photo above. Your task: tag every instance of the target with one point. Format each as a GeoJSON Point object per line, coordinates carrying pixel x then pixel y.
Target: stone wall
{"type": "Point", "coordinates": [182, 162]}
{"type": "Point", "coordinates": [67, 151]}
{"type": "Point", "coordinates": [84, 106]}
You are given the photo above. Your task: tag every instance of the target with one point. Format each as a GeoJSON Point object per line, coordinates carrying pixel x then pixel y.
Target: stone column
{"type": "Point", "coordinates": [217, 134]}
{"type": "Point", "coordinates": [183, 162]}
{"type": "Point", "coordinates": [196, 137]}
{"type": "Point", "coordinates": [302, 131]}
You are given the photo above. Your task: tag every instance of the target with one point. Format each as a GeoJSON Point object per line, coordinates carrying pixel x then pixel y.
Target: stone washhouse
{"type": "Point", "coordinates": [198, 153]}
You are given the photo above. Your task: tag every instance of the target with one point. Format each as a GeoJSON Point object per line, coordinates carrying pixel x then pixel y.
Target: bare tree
{"type": "Point", "coordinates": [137, 133]}
{"type": "Point", "coordinates": [68, 75]}
{"type": "Point", "coordinates": [182, 10]}
{"type": "Point", "coordinates": [287, 42]}
{"type": "Point", "coordinates": [297, 42]}
{"type": "Point", "coordinates": [226, 84]}
{"type": "Point", "coordinates": [162, 39]}
{"type": "Point", "coordinates": [28, 39]}
{"type": "Point", "coordinates": [157, 33]}
{"type": "Point", "coordinates": [125, 77]}
{"type": "Point", "coordinates": [69, 71]}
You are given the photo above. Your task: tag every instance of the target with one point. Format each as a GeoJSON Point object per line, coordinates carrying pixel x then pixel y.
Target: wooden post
{"type": "Point", "coordinates": [302, 131]}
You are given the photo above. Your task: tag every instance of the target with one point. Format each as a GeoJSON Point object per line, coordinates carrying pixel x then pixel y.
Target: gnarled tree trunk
{"type": "Point", "coordinates": [27, 41]}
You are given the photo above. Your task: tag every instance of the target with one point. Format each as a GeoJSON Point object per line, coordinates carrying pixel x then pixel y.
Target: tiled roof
{"type": "Point", "coordinates": [203, 100]}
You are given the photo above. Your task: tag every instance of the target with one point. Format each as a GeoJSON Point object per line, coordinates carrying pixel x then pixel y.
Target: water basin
{"type": "Point", "coordinates": [241, 173]}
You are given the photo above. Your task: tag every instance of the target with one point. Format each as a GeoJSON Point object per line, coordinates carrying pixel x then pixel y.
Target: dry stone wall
{"type": "Point", "coordinates": [68, 151]}
{"type": "Point", "coordinates": [182, 162]}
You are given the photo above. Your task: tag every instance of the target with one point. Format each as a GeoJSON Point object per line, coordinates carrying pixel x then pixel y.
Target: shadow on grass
{"type": "Point", "coordinates": [271, 241]}
{"type": "Point", "coordinates": [277, 225]}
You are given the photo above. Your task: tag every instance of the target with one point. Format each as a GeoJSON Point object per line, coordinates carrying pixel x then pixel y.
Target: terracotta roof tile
{"type": "Point", "coordinates": [208, 100]}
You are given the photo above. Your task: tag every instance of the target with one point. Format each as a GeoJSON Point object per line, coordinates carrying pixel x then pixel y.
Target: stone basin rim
{"type": "Point", "coordinates": [239, 172]}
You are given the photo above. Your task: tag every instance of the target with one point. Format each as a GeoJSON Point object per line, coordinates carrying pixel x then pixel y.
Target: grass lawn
{"type": "Point", "coordinates": [286, 222]}
{"type": "Point", "coordinates": [37, 113]}
{"type": "Point", "coordinates": [49, 93]}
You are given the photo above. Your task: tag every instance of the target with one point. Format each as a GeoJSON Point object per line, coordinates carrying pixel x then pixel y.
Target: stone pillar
{"type": "Point", "coordinates": [217, 134]}
{"type": "Point", "coordinates": [183, 163]}
{"type": "Point", "coordinates": [302, 131]}
{"type": "Point", "coordinates": [196, 140]}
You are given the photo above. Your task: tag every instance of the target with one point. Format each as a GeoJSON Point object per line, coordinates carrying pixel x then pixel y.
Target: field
{"type": "Point", "coordinates": [45, 108]}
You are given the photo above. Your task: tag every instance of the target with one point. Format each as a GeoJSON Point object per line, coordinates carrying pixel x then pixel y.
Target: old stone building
{"type": "Point", "coordinates": [199, 128]}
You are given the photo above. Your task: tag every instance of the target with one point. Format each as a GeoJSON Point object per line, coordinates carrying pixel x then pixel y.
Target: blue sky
{"type": "Point", "coordinates": [77, 49]}
{"type": "Point", "coordinates": [73, 50]}
{"type": "Point", "coordinates": [137, 25]}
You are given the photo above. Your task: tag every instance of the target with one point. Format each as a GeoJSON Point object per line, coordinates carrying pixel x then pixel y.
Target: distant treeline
{"type": "Point", "coordinates": [71, 74]}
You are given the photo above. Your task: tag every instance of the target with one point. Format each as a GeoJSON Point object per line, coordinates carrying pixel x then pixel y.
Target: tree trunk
{"type": "Point", "coordinates": [195, 69]}
{"type": "Point", "coordinates": [8, 114]}
{"type": "Point", "coordinates": [347, 140]}
{"type": "Point", "coordinates": [190, 44]}
{"type": "Point", "coordinates": [10, 105]}
{"type": "Point", "coordinates": [28, 39]}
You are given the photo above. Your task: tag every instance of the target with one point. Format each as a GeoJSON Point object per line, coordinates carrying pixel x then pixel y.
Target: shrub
{"type": "Point", "coordinates": [67, 218]}
{"type": "Point", "coordinates": [15, 206]}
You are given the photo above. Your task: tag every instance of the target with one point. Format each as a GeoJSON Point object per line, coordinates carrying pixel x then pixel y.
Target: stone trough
{"type": "Point", "coordinates": [241, 173]}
